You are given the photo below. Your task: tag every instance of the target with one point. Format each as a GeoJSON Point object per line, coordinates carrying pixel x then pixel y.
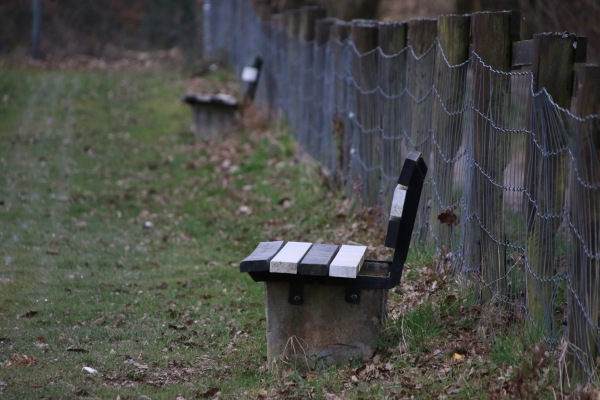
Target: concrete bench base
{"type": "Point", "coordinates": [212, 116]}
{"type": "Point", "coordinates": [326, 329]}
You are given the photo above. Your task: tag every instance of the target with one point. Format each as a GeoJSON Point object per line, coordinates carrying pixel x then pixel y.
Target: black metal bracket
{"type": "Point", "coordinates": [352, 294]}
{"type": "Point", "coordinates": [296, 292]}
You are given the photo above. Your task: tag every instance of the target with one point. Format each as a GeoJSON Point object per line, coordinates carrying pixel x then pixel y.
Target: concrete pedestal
{"type": "Point", "coordinates": [212, 115]}
{"type": "Point", "coordinates": [325, 329]}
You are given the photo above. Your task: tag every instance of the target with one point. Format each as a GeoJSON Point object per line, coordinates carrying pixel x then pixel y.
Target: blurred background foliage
{"type": "Point", "coordinates": [104, 28]}
{"type": "Point", "coordinates": [108, 28]}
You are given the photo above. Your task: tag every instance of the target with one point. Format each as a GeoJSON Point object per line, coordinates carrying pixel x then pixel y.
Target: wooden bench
{"type": "Point", "coordinates": [213, 115]}
{"type": "Point", "coordinates": [329, 298]}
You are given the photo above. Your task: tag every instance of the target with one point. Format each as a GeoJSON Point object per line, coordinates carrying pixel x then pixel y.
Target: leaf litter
{"type": "Point", "coordinates": [21, 360]}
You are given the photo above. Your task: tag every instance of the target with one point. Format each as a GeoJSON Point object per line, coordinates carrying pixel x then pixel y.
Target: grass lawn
{"type": "Point", "coordinates": [120, 237]}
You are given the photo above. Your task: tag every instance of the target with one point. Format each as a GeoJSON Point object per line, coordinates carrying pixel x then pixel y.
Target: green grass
{"type": "Point", "coordinates": [93, 157]}
{"type": "Point", "coordinates": [119, 241]}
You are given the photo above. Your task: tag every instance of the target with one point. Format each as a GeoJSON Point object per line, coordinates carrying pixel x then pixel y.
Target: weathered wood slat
{"type": "Point", "coordinates": [585, 214]}
{"type": "Point", "coordinates": [348, 261]}
{"type": "Point", "coordinates": [317, 260]}
{"type": "Point", "coordinates": [309, 15]}
{"type": "Point", "coordinates": [522, 53]}
{"type": "Point", "coordinates": [286, 261]}
{"type": "Point", "coordinates": [261, 256]}
{"type": "Point", "coordinates": [581, 49]}
{"type": "Point", "coordinates": [545, 179]}
{"type": "Point", "coordinates": [398, 201]}
{"type": "Point", "coordinates": [492, 41]}
{"type": "Point", "coordinates": [365, 38]}
{"type": "Point", "coordinates": [451, 86]}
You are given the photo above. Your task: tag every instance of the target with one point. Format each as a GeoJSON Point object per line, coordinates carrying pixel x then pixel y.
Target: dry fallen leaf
{"type": "Point", "coordinates": [311, 375]}
{"type": "Point", "coordinates": [28, 314]}
{"type": "Point", "coordinates": [79, 224]}
{"type": "Point", "coordinates": [76, 349]}
{"type": "Point", "coordinates": [210, 393]}
{"type": "Point", "coordinates": [243, 209]}
{"type": "Point", "coordinates": [136, 364]}
{"type": "Point", "coordinates": [447, 217]}
{"type": "Point", "coordinates": [41, 342]}
{"type": "Point", "coordinates": [285, 202]}
{"type": "Point", "coordinates": [148, 225]}
{"type": "Point", "coordinates": [21, 360]}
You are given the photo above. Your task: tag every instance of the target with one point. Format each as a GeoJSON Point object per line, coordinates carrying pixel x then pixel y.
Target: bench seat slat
{"type": "Point", "coordinates": [317, 260]}
{"type": "Point", "coordinates": [348, 261]}
{"type": "Point", "coordinates": [286, 261]}
{"type": "Point", "coordinates": [260, 258]}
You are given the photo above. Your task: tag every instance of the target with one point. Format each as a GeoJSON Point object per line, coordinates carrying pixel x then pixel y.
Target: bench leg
{"type": "Point", "coordinates": [325, 329]}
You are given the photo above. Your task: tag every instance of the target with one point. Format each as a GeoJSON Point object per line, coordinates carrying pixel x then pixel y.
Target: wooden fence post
{"type": "Point", "coordinates": [492, 42]}
{"type": "Point", "coordinates": [366, 121]}
{"type": "Point", "coordinates": [392, 81]}
{"type": "Point", "coordinates": [323, 107]}
{"type": "Point", "coordinates": [293, 77]}
{"type": "Point", "coordinates": [266, 88]}
{"type": "Point", "coordinates": [392, 37]}
{"type": "Point", "coordinates": [237, 29]}
{"type": "Point", "coordinates": [36, 34]}
{"type": "Point", "coordinates": [420, 74]}
{"type": "Point", "coordinates": [421, 37]}
{"type": "Point", "coordinates": [263, 9]}
{"type": "Point", "coordinates": [552, 67]}
{"type": "Point", "coordinates": [309, 16]}
{"type": "Point", "coordinates": [584, 300]}
{"type": "Point", "coordinates": [278, 43]}
{"type": "Point", "coordinates": [339, 35]}
{"type": "Point", "coordinates": [308, 22]}
{"type": "Point", "coordinates": [450, 86]}
{"type": "Point", "coordinates": [421, 34]}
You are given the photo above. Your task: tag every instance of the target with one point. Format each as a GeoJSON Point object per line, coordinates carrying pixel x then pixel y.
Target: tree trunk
{"type": "Point", "coordinates": [36, 33]}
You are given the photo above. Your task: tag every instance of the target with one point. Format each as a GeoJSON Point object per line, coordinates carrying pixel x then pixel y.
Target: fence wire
{"type": "Point", "coordinates": [512, 196]}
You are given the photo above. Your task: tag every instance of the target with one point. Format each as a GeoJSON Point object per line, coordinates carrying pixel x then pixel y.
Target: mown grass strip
{"type": "Point", "coordinates": [119, 236]}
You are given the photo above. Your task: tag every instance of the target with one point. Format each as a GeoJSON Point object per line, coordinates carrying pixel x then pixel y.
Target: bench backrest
{"type": "Point", "coordinates": [405, 205]}
{"type": "Point", "coordinates": [250, 77]}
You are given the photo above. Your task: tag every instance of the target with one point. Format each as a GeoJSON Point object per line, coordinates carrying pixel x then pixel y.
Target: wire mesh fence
{"type": "Point", "coordinates": [513, 194]}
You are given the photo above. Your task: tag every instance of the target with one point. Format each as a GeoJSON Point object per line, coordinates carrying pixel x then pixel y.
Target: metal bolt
{"type": "Point", "coordinates": [354, 297]}
{"type": "Point", "coordinates": [297, 299]}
